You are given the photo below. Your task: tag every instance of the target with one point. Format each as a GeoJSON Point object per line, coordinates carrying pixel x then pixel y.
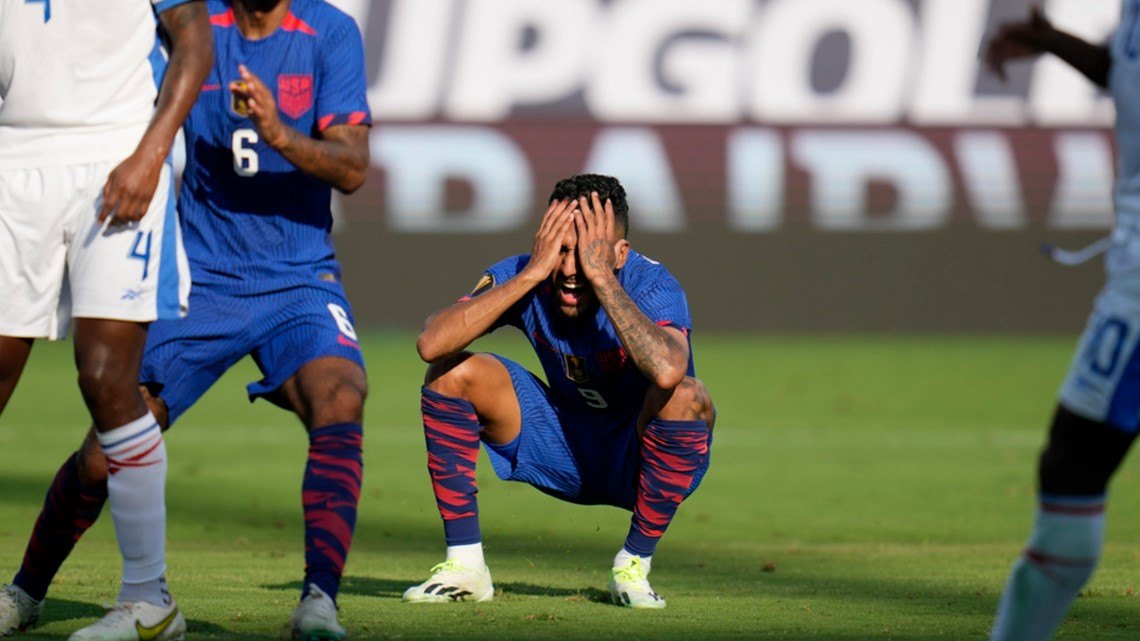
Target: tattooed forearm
{"type": "Point", "coordinates": [656, 352]}
{"type": "Point", "coordinates": [340, 158]}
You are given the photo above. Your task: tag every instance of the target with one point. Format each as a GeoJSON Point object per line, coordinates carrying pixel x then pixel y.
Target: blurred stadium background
{"type": "Point", "coordinates": [801, 165]}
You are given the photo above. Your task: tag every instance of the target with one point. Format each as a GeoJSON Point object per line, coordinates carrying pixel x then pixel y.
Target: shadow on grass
{"type": "Point", "coordinates": [199, 628]}
{"type": "Point", "coordinates": [591, 594]}
{"type": "Point", "coordinates": [76, 614]}
{"type": "Point", "coordinates": [68, 610]}
{"type": "Point", "coordinates": [394, 589]}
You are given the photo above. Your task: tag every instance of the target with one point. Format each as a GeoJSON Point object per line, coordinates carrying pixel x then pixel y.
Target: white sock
{"type": "Point", "coordinates": [1062, 553]}
{"type": "Point", "coordinates": [136, 488]}
{"type": "Point", "coordinates": [623, 556]}
{"type": "Point", "coordinates": [468, 556]}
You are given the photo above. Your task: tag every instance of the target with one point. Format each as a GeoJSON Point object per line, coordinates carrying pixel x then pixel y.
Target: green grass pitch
{"type": "Point", "coordinates": [861, 488]}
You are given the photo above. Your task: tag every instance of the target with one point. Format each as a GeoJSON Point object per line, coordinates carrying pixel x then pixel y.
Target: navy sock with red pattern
{"type": "Point", "coordinates": [70, 508]}
{"type": "Point", "coordinates": [451, 430]}
{"type": "Point", "coordinates": [671, 456]}
{"type": "Point", "coordinates": [330, 493]}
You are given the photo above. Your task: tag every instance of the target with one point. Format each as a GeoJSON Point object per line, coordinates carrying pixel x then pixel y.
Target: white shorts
{"type": "Point", "coordinates": [57, 262]}
{"type": "Point", "coordinates": [1103, 383]}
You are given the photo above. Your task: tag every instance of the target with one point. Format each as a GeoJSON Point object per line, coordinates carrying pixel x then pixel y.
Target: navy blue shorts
{"type": "Point", "coordinates": [585, 459]}
{"type": "Point", "coordinates": [282, 330]}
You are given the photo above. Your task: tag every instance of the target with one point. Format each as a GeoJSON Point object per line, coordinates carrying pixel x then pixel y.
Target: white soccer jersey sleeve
{"type": "Point", "coordinates": [78, 78]}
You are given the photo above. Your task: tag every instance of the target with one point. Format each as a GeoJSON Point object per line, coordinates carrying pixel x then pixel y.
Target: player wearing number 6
{"type": "Point", "coordinates": [621, 420]}
{"type": "Point", "coordinates": [262, 158]}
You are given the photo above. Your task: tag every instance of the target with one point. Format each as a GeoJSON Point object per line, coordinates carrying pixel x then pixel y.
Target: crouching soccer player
{"type": "Point", "coordinates": [622, 422]}
{"type": "Point", "coordinates": [255, 213]}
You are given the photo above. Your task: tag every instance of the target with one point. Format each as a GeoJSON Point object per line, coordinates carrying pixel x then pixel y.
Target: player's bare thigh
{"type": "Point", "coordinates": [483, 381]}
{"type": "Point", "coordinates": [13, 356]}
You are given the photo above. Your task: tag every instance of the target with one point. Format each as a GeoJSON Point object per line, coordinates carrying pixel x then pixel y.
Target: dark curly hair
{"type": "Point", "coordinates": [607, 187]}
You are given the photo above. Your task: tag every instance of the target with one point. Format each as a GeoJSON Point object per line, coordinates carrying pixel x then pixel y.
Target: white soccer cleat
{"type": "Point", "coordinates": [629, 586]}
{"type": "Point", "coordinates": [136, 621]}
{"type": "Point", "coordinates": [451, 582]}
{"type": "Point", "coordinates": [18, 611]}
{"type": "Point", "coordinates": [315, 618]}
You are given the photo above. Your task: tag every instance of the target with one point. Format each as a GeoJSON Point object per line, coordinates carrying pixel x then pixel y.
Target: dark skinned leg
{"type": "Point", "coordinates": [328, 394]}
{"type": "Point", "coordinates": [72, 505]}
{"type": "Point", "coordinates": [13, 356]}
{"type": "Point", "coordinates": [1068, 530]}
{"type": "Point", "coordinates": [108, 355]}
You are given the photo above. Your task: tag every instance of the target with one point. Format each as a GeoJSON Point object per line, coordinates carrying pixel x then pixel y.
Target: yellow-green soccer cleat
{"type": "Point", "coordinates": [629, 586]}
{"type": "Point", "coordinates": [451, 582]}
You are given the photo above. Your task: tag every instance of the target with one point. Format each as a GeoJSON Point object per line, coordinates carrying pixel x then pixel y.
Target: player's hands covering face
{"type": "Point", "coordinates": [548, 241]}
{"type": "Point", "coordinates": [261, 107]}
{"type": "Point", "coordinates": [597, 249]}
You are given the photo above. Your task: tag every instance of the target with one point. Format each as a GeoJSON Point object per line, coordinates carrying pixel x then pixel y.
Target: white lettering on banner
{"type": "Point", "coordinates": [420, 159]}
{"type": "Point", "coordinates": [1083, 197]}
{"type": "Point", "coordinates": [881, 32]}
{"type": "Point", "coordinates": [989, 172]}
{"type": "Point", "coordinates": [1001, 185]}
{"type": "Point", "coordinates": [494, 72]}
{"type": "Point", "coordinates": [670, 61]}
{"type": "Point", "coordinates": [842, 164]}
{"type": "Point", "coordinates": [684, 61]}
{"type": "Point", "coordinates": [639, 158]}
{"type": "Point", "coordinates": [944, 85]}
{"type": "Point", "coordinates": [415, 54]}
{"type": "Point", "coordinates": [755, 180]}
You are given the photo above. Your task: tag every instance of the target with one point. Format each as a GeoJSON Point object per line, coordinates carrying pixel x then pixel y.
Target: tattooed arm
{"type": "Point", "coordinates": [339, 157]}
{"type": "Point", "coordinates": [453, 328]}
{"type": "Point", "coordinates": [131, 185]}
{"type": "Point", "coordinates": [661, 353]}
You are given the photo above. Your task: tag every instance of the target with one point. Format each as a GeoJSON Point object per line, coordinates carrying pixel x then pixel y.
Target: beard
{"type": "Point", "coordinates": [259, 6]}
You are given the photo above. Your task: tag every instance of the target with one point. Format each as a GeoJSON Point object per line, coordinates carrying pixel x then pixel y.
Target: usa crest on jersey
{"type": "Point", "coordinates": [295, 94]}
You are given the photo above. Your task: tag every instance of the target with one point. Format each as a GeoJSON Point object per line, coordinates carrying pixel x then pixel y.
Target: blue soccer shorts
{"type": "Point", "coordinates": [282, 330]}
{"type": "Point", "coordinates": [589, 459]}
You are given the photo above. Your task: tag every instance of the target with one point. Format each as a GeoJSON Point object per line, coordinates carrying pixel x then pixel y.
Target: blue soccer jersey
{"type": "Point", "coordinates": [588, 371]}
{"type": "Point", "coordinates": [251, 220]}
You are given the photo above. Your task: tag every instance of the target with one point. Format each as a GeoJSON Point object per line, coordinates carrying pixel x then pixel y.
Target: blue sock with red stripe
{"type": "Point", "coordinates": [671, 454]}
{"type": "Point", "coordinates": [70, 508]}
{"type": "Point", "coordinates": [451, 430]}
{"type": "Point", "coordinates": [1063, 550]}
{"type": "Point", "coordinates": [330, 493]}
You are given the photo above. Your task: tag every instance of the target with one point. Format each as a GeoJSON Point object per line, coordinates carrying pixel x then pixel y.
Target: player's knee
{"type": "Point", "coordinates": [689, 401]}
{"type": "Point", "coordinates": [93, 384]}
{"type": "Point", "coordinates": [342, 401]}
{"type": "Point", "coordinates": [325, 391]}
{"type": "Point", "coordinates": [1081, 455]}
{"type": "Point", "coordinates": [457, 373]}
